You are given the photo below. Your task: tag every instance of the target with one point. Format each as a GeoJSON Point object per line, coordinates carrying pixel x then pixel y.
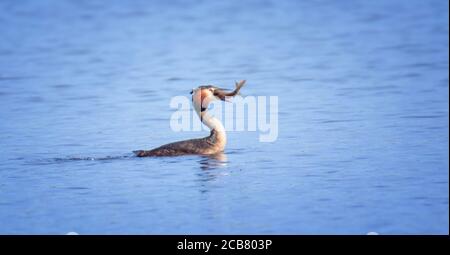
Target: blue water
{"type": "Point", "coordinates": [363, 140]}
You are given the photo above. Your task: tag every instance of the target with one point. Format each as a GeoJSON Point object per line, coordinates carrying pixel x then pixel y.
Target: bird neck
{"type": "Point", "coordinates": [218, 134]}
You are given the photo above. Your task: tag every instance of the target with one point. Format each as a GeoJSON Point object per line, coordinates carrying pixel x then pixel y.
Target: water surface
{"type": "Point", "coordinates": [363, 117]}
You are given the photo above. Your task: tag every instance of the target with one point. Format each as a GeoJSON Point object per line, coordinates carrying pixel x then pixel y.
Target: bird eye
{"type": "Point", "coordinates": [192, 91]}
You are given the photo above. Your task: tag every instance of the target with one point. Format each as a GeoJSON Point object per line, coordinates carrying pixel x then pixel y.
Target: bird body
{"type": "Point", "coordinates": [212, 144]}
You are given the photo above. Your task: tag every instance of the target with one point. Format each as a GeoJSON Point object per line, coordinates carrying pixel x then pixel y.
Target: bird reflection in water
{"type": "Point", "coordinates": [209, 162]}
{"type": "Point", "coordinates": [210, 166]}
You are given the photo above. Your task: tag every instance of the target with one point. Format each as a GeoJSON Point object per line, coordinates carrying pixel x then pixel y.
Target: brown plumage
{"type": "Point", "coordinates": [186, 147]}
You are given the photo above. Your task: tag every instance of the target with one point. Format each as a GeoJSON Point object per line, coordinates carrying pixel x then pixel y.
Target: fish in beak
{"type": "Point", "coordinates": [204, 95]}
{"type": "Point", "coordinates": [222, 94]}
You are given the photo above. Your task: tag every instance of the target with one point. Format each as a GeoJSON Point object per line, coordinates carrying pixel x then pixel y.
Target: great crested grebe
{"type": "Point", "coordinates": [212, 144]}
